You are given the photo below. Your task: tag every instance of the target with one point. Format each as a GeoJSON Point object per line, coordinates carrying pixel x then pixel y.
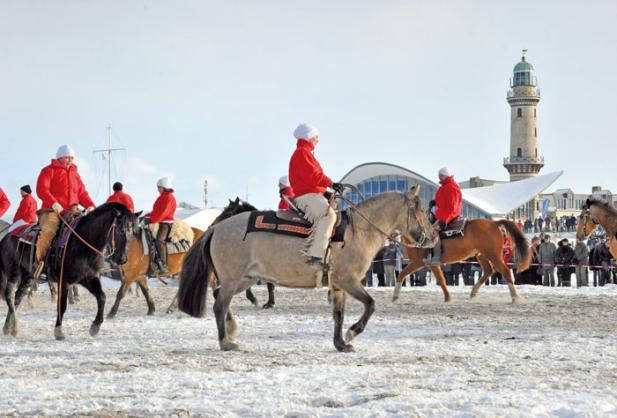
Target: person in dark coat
{"type": "Point", "coordinates": [378, 268]}
{"type": "Point", "coordinates": [565, 256]}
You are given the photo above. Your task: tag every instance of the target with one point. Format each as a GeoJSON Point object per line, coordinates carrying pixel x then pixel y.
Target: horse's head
{"type": "Point", "coordinates": [123, 227]}
{"type": "Point", "coordinates": [586, 224]}
{"type": "Point", "coordinates": [235, 207]}
{"type": "Point", "coordinates": [420, 232]}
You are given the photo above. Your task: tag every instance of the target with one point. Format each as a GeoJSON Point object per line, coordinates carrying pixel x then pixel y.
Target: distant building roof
{"type": "Point", "coordinates": [198, 218]}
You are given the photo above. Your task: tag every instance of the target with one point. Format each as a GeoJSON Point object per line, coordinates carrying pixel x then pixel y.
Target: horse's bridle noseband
{"type": "Point", "coordinates": [587, 215]}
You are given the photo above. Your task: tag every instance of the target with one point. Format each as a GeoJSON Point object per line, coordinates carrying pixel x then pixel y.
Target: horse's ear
{"type": "Point", "coordinates": [230, 201]}
{"type": "Point", "coordinates": [415, 190]}
{"type": "Point", "coordinates": [237, 200]}
{"type": "Point", "coordinates": [138, 214]}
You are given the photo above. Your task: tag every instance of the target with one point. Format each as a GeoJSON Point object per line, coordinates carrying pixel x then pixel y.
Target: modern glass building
{"type": "Point", "coordinates": [374, 178]}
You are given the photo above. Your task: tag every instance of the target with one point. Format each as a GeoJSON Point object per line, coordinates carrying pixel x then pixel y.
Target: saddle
{"type": "Point", "coordinates": [291, 223]}
{"type": "Point", "coordinates": [27, 233]}
{"type": "Point", "coordinates": [178, 241]}
{"type": "Point", "coordinates": [456, 228]}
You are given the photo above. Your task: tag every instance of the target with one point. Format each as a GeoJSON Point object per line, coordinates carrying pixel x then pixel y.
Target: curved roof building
{"type": "Point", "coordinates": [483, 202]}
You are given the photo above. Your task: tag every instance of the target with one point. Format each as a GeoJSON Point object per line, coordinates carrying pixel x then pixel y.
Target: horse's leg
{"type": "Point", "coordinates": [121, 293]}
{"type": "Point", "coordinates": [173, 305]}
{"type": "Point", "coordinates": [70, 295]}
{"type": "Point", "coordinates": [441, 279]}
{"type": "Point", "coordinates": [53, 291]}
{"type": "Point", "coordinates": [251, 297]}
{"type": "Point", "coordinates": [64, 294]}
{"type": "Point", "coordinates": [93, 284]}
{"type": "Point", "coordinates": [409, 269]}
{"type": "Point", "coordinates": [499, 265]}
{"type": "Point", "coordinates": [10, 325]}
{"type": "Point", "coordinates": [75, 289]}
{"type": "Point", "coordinates": [357, 291]}
{"type": "Point", "coordinates": [270, 303]}
{"type": "Point", "coordinates": [232, 326]}
{"type": "Point", "coordinates": [221, 306]}
{"type": "Point", "coordinates": [143, 285]}
{"type": "Point", "coordinates": [338, 313]}
{"type": "Point", "coordinates": [487, 271]}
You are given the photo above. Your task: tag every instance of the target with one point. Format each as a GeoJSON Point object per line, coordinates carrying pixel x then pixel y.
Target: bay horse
{"type": "Point", "coordinates": [108, 226]}
{"type": "Point", "coordinates": [483, 239]}
{"type": "Point", "coordinates": [597, 212]}
{"type": "Point", "coordinates": [239, 260]}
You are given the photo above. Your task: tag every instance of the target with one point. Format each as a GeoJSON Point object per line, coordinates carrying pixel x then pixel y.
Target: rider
{"type": "Point", "coordinates": [285, 189]}
{"type": "Point", "coordinates": [120, 197]}
{"type": "Point", "coordinates": [448, 202]}
{"type": "Point", "coordinates": [26, 212]}
{"type": "Point", "coordinates": [5, 203]}
{"type": "Point", "coordinates": [163, 214]}
{"type": "Point", "coordinates": [309, 183]}
{"type": "Point", "coordinates": [61, 189]}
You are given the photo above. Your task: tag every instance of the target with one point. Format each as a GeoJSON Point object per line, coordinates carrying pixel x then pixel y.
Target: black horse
{"type": "Point", "coordinates": [235, 207]}
{"type": "Point", "coordinates": [107, 227]}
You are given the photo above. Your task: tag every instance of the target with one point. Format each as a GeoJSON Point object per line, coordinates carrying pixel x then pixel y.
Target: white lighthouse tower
{"type": "Point", "coordinates": [523, 97]}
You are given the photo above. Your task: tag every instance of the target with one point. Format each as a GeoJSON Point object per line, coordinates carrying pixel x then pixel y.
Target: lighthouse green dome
{"type": "Point", "coordinates": [523, 66]}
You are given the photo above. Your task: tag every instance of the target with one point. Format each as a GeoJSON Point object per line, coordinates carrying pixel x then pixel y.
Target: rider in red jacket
{"type": "Point", "coordinates": [120, 197]}
{"type": "Point", "coordinates": [285, 190]}
{"type": "Point", "coordinates": [163, 213]}
{"type": "Point", "coordinates": [60, 188]}
{"type": "Point", "coordinates": [449, 203]}
{"type": "Point", "coordinates": [26, 212]}
{"type": "Point", "coordinates": [5, 203]}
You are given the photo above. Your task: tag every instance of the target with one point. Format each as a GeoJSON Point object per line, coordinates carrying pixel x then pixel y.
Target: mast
{"type": "Point", "coordinates": [109, 150]}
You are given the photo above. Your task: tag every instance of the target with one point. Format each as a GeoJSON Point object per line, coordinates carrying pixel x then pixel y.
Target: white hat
{"type": "Point", "coordinates": [305, 131]}
{"type": "Point", "coordinates": [65, 151]}
{"type": "Point", "coordinates": [284, 181]}
{"type": "Point", "coordinates": [445, 171]}
{"type": "Point", "coordinates": [164, 182]}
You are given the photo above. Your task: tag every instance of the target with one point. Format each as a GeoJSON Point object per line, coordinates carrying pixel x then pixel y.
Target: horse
{"type": "Point", "coordinates": [136, 269]}
{"type": "Point", "coordinates": [597, 212]}
{"type": "Point", "coordinates": [81, 261]}
{"type": "Point", "coordinates": [483, 239]}
{"type": "Point", "coordinates": [239, 260]}
{"type": "Point", "coordinates": [233, 208]}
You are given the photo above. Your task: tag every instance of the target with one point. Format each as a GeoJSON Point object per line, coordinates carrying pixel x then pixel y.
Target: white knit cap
{"type": "Point", "coordinates": [305, 131]}
{"type": "Point", "coordinates": [284, 181]}
{"type": "Point", "coordinates": [65, 151]}
{"type": "Point", "coordinates": [445, 171]}
{"type": "Point", "coordinates": [164, 182]}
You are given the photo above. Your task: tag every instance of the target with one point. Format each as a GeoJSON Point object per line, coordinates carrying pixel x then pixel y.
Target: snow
{"type": "Point", "coordinates": [555, 355]}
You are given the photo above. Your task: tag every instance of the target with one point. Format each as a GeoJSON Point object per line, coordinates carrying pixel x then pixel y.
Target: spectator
{"type": "Point", "coordinates": [546, 257]}
{"type": "Point", "coordinates": [540, 224]}
{"type": "Point", "coordinates": [378, 268]}
{"type": "Point", "coordinates": [581, 259]}
{"type": "Point", "coordinates": [392, 254]}
{"type": "Point", "coordinates": [564, 256]}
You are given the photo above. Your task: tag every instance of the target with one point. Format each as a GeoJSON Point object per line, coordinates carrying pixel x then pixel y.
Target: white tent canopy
{"type": "Point", "coordinates": [501, 199]}
{"type": "Point", "coordinates": [198, 218]}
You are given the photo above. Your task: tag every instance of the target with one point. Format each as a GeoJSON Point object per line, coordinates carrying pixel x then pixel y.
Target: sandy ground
{"type": "Point", "coordinates": [556, 355]}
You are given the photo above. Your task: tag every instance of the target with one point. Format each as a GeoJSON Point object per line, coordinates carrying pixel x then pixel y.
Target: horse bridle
{"type": "Point", "coordinates": [587, 215]}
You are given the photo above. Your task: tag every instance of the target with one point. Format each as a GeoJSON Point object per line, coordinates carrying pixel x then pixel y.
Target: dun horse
{"type": "Point", "coordinates": [596, 212]}
{"type": "Point", "coordinates": [239, 260]}
{"type": "Point", "coordinates": [483, 239]}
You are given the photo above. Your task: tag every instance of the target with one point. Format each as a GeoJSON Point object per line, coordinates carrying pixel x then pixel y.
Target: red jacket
{"type": "Point", "coordinates": [63, 185]}
{"type": "Point", "coordinates": [121, 197]}
{"type": "Point", "coordinates": [305, 173]}
{"type": "Point", "coordinates": [289, 192]}
{"type": "Point", "coordinates": [164, 208]}
{"type": "Point", "coordinates": [449, 200]}
{"type": "Point", "coordinates": [26, 210]}
{"type": "Point", "coordinates": [4, 202]}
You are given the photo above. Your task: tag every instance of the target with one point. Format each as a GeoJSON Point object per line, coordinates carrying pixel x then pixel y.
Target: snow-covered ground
{"type": "Point", "coordinates": [556, 355]}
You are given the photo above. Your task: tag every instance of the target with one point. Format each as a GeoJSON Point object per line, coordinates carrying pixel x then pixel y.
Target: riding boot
{"type": "Point", "coordinates": [49, 222]}
{"type": "Point", "coordinates": [436, 258]}
{"type": "Point", "coordinates": [161, 246]}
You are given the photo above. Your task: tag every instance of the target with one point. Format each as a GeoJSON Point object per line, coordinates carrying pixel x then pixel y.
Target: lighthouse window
{"type": "Point", "coordinates": [519, 152]}
{"type": "Point", "coordinates": [535, 131]}
{"type": "Point", "coordinates": [519, 112]}
{"type": "Point", "coordinates": [536, 153]}
{"type": "Point", "coordinates": [534, 112]}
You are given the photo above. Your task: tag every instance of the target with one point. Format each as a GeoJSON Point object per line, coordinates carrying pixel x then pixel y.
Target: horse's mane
{"type": "Point", "coordinates": [233, 208]}
{"type": "Point", "coordinates": [603, 204]}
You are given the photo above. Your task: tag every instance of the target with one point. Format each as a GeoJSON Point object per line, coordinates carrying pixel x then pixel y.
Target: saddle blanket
{"type": "Point", "coordinates": [456, 228]}
{"type": "Point", "coordinates": [178, 247]}
{"type": "Point", "coordinates": [267, 221]}
{"type": "Point", "coordinates": [180, 231]}
{"type": "Point", "coordinates": [25, 233]}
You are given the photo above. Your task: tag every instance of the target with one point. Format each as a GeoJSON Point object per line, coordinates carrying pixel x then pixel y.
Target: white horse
{"type": "Point", "coordinates": [240, 259]}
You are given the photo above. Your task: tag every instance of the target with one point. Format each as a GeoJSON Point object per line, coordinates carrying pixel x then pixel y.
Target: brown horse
{"type": "Point", "coordinates": [484, 239]}
{"type": "Point", "coordinates": [597, 212]}
{"type": "Point", "coordinates": [137, 266]}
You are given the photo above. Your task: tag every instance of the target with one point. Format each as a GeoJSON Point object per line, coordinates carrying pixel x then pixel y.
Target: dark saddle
{"type": "Point", "coordinates": [27, 233]}
{"type": "Point", "coordinates": [290, 222]}
{"type": "Point", "coordinates": [456, 228]}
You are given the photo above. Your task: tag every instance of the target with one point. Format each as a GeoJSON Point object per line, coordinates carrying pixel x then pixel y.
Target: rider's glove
{"type": "Point", "coordinates": [57, 207]}
{"type": "Point", "coordinates": [432, 203]}
{"type": "Point", "coordinates": [88, 210]}
{"type": "Point", "coordinates": [338, 187]}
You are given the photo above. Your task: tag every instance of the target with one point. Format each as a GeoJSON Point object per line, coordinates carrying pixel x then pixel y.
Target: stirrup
{"type": "Point", "coordinates": [39, 270]}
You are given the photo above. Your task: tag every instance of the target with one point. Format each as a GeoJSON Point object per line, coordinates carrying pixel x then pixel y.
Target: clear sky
{"type": "Point", "coordinates": [200, 89]}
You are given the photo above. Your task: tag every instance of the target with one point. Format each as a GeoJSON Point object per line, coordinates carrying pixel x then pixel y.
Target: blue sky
{"type": "Point", "coordinates": [199, 89]}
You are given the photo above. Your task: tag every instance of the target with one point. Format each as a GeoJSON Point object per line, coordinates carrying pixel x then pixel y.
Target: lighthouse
{"type": "Point", "coordinates": [523, 97]}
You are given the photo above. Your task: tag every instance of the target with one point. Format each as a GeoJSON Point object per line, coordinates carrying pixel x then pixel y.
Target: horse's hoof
{"type": "Point", "coordinates": [350, 336]}
{"type": "Point", "coordinates": [94, 329]}
{"type": "Point", "coordinates": [447, 300]}
{"type": "Point", "coordinates": [6, 329]}
{"type": "Point", "coordinates": [347, 348]}
{"type": "Point", "coordinates": [394, 298]}
{"type": "Point", "coordinates": [111, 315]}
{"type": "Point", "coordinates": [150, 312]}
{"type": "Point", "coordinates": [58, 333]}
{"type": "Point", "coordinates": [519, 300]}
{"type": "Point", "coordinates": [268, 305]}
{"type": "Point", "coordinates": [229, 346]}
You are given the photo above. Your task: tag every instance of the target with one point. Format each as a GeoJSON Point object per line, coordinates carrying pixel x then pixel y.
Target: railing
{"type": "Point", "coordinates": [535, 94]}
{"type": "Point", "coordinates": [517, 160]}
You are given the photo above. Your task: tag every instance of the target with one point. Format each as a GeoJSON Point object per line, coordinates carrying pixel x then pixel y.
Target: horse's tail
{"type": "Point", "coordinates": [196, 269]}
{"type": "Point", "coordinates": [3, 278]}
{"type": "Point", "coordinates": [521, 245]}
